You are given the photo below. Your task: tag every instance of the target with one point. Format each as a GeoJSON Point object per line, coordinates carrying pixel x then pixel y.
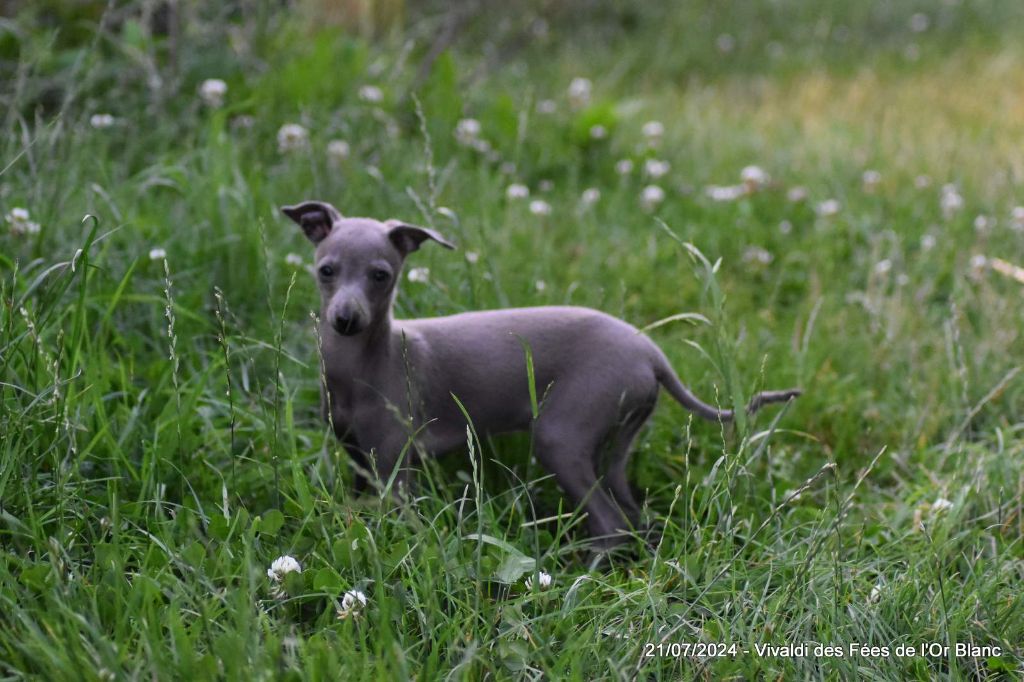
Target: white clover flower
{"type": "Point", "coordinates": [157, 254]}
{"type": "Point", "coordinates": [590, 196]}
{"type": "Point", "coordinates": [282, 566]}
{"type": "Point", "coordinates": [545, 185]}
{"type": "Point", "coordinates": [580, 90]}
{"type": "Point", "coordinates": [32, 227]}
{"type": "Point", "coordinates": [624, 167]}
{"type": "Point", "coordinates": [544, 581]}
{"type": "Point", "coordinates": [468, 127]}
{"type": "Point", "coordinates": [540, 207]}
{"type": "Point", "coordinates": [870, 181]}
{"type": "Point", "coordinates": [876, 591]}
{"type": "Point", "coordinates": [18, 220]}
{"type": "Point", "coordinates": [653, 131]}
{"type": "Point", "coordinates": [941, 504]}
{"type": "Point", "coordinates": [725, 43]}
{"type": "Point", "coordinates": [338, 150]}
{"type": "Point", "coordinates": [978, 263]}
{"type": "Point", "coordinates": [371, 94]}
{"type": "Point", "coordinates": [883, 267]}
{"type": "Point", "coordinates": [725, 193]}
{"type": "Point", "coordinates": [950, 201]}
{"type": "Point", "coordinates": [101, 121]}
{"type": "Point", "coordinates": [480, 145]}
{"type": "Point", "coordinates": [756, 255]}
{"type": "Point", "coordinates": [467, 131]}
{"type": "Point", "coordinates": [928, 242]}
{"type": "Point", "coordinates": [546, 106]}
{"type": "Point", "coordinates": [541, 285]}
{"type": "Point", "coordinates": [754, 178]}
{"type": "Point", "coordinates": [1017, 219]}
{"type": "Point", "coordinates": [598, 132]}
{"type": "Point", "coordinates": [922, 182]}
{"type": "Point", "coordinates": [472, 257]}
{"type": "Point", "coordinates": [785, 227]}
{"type": "Point", "coordinates": [983, 223]}
{"type": "Point", "coordinates": [292, 137]}
{"type": "Point", "coordinates": [919, 23]}
{"type": "Point", "coordinates": [902, 279]}
{"type": "Point", "coordinates": [294, 260]}
{"type": "Point", "coordinates": [419, 275]}
{"type": "Point", "coordinates": [655, 169]}
{"type": "Point", "coordinates": [651, 196]}
{"type": "Point", "coordinates": [797, 194]}
{"type": "Point", "coordinates": [212, 92]}
{"type": "Point", "coordinates": [352, 604]}
{"type": "Point", "coordinates": [517, 191]}
{"type": "Point", "coordinates": [828, 208]}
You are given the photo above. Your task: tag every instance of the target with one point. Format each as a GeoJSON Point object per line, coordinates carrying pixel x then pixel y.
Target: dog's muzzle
{"type": "Point", "coordinates": [347, 324]}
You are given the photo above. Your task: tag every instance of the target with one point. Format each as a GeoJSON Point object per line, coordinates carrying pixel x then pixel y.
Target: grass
{"type": "Point", "coordinates": [160, 440]}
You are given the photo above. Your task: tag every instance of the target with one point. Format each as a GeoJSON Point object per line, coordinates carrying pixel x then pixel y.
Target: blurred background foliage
{"type": "Point", "coordinates": [178, 40]}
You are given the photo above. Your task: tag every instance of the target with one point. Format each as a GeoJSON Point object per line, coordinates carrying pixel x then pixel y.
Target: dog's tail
{"type": "Point", "coordinates": [667, 378]}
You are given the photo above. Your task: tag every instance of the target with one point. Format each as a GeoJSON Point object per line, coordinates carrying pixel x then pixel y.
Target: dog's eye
{"type": "Point", "coordinates": [326, 271]}
{"type": "Point", "coordinates": [380, 276]}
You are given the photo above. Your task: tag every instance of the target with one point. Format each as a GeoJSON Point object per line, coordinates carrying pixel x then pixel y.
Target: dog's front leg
{"type": "Point", "coordinates": [390, 459]}
{"type": "Point", "coordinates": [335, 417]}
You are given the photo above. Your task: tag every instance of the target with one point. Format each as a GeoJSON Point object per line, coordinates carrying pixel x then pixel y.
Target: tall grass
{"type": "Point", "coordinates": [161, 441]}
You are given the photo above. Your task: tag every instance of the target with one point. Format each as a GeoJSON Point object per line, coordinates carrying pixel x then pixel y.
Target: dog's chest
{"type": "Point", "coordinates": [357, 404]}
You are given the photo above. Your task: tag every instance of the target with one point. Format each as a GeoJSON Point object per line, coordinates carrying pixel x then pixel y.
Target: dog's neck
{"type": "Point", "coordinates": [363, 353]}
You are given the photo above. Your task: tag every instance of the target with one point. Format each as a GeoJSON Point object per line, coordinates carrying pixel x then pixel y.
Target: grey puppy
{"type": "Point", "coordinates": [387, 379]}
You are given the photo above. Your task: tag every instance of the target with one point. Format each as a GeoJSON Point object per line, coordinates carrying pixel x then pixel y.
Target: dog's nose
{"type": "Point", "coordinates": [347, 323]}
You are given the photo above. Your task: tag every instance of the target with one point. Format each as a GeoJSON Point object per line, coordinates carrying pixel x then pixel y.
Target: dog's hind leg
{"type": "Point", "coordinates": [569, 454]}
{"type": "Point", "coordinates": [619, 448]}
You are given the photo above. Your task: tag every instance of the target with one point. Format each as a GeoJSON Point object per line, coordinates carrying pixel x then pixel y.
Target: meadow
{"type": "Point", "coordinates": [781, 192]}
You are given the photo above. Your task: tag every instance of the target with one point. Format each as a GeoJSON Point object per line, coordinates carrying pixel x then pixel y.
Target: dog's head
{"type": "Point", "coordinates": [358, 262]}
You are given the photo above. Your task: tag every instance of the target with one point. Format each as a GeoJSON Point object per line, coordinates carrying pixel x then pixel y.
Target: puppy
{"type": "Point", "coordinates": [386, 379]}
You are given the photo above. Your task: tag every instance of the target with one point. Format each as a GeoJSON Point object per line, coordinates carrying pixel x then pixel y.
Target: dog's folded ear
{"type": "Point", "coordinates": [407, 238]}
{"type": "Point", "coordinates": [314, 217]}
